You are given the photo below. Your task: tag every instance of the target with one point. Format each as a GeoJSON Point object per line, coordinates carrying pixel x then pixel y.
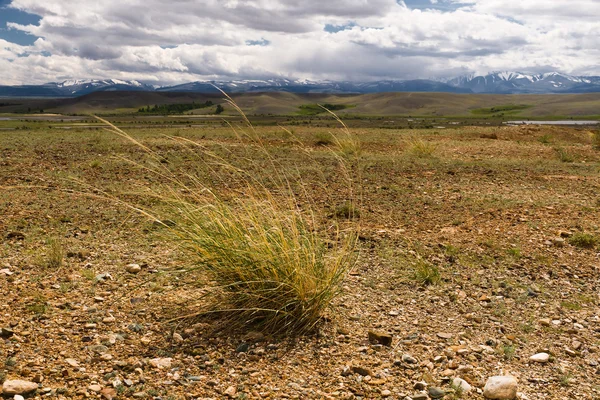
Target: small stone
{"type": "Point", "coordinates": [109, 320]}
{"type": "Point", "coordinates": [106, 357]}
{"type": "Point", "coordinates": [576, 345]}
{"type": "Point", "coordinates": [361, 371]}
{"type": "Point", "coordinates": [177, 337]}
{"type": "Point", "coordinates": [230, 391]}
{"type": "Point", "coordinates": [558, 242]}
{"type": "Point", "coordinates": [386, 393]}
{"type": "Point", "coordinates": [254, 337]}
{"type": "Point", "coordinates": [420, 385]}
{"type": "Point", "coordinates": [139, 395]}
{"type": "Point", "coordinates": [18, 397]}
{"type": "Point", "coordinates": [98, 349]}
{"type": "Point", "coordinates": [15, 235]}
{"type": "Point", "coordinates": [108, 393]}
{"type": "Point", "coordinates": [95, 388]}
{"type": "Point", "coordinates": [419, 396]}
{"type": "Point", "coordinates": [408, 359]}
{"type": "Point", "coordinates": [462, 385]}
{"type": "Point", "coordinates": [540, 357]}
{"type": "Point", "coordinates": [99, 299]}
{"type": "Point", "coordinates": [436, 393]}
{"type": "Point", "coordinates": [500, 388]}
{"type": "Point", "coordinates": [242, 348]}
{"type": "Point", "coordinates": [444, 335]}
{"type": "Point", "coordinates": [161, 363]}
{"type": "Point", "coordinates": [6, 333]}
{"type": "Point", "coordinates": [545, 321]}
{"type": "Point", "coordinates": [380, 338]}
{"type": "Point", "coordinates": [133, 268]}
{"type": "Point", "coordinates": [18, 387]}
{"type": "Point", "coordinates": [570, 352]}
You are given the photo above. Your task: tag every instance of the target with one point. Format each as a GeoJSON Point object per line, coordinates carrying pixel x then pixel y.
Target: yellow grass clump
{"type": "Point", "coordinates": [258, 242]}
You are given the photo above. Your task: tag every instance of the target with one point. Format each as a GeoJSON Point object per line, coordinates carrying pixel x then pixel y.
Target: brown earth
{"type": "Point", "coordinates": [485, 207]}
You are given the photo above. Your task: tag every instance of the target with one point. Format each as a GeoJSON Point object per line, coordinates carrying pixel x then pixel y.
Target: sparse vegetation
{"type": "Point", "coordinates": [564, 155]}
{"type": "Point", "coordinates": [426, 273]}
{"type": "Point", "coordinates": [316, 109]}
{"type": "Point", "coordinates": [421, 149]}
{"type": "Point", "coordinates": [583, 240]}
{"type": "Point", "coordinates": [55, 254]}
{"type": "Point", "coordinates": [501, 110]}
{"type": "Point", "coordinates": [266, 257]}
{"type": "Point", "coordinates": [596, 139]}
{"type": "Point", "coordinates": [545, 139]}
{"type": "Point", "coordinates": [167, 109]}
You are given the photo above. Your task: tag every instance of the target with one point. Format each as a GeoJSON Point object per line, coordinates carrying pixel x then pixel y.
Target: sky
{"type": "Point", "coordinates": [169, 42]}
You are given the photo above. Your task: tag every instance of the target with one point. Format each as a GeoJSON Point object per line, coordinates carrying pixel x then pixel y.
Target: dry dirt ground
{"type": "Point", "coordinates": [483, 207]}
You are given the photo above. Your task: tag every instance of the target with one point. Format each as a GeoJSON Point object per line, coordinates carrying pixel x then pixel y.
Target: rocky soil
{"type": "Point", "coordinates": [96, 315]}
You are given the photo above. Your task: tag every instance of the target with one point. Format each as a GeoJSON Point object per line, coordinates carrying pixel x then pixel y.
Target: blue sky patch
{"type": "Point", "coordinates": [442, 5]}
{"type": "Point", "coordinates": [261, 42]}
{"type": "Point", "coordinates": [8, 14]}
{"type": "Point", "coordinates": [338, 28]}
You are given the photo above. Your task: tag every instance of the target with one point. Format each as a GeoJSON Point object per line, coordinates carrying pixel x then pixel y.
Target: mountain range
{"type": "Point", "coordinates": [493, 83]}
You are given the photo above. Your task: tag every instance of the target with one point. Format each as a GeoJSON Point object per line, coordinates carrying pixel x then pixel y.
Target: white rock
{"type": "Point", "coordinates": [230, 391]}
{"type": "Point", "coordinates": [18, 387]}
{"type": "Point", "coordinates": [95, 388]}
{"type": "Point", "coordinates": [161, 363]}
{"type": "Point", "coordinates": [133, 268]}
{"type": "Point", "coordinates": [462, 385]}
{"type": "Point", "coordinates": [540, 357]}
{"type": "Point", "coordinates": [500, 388]}
{"type": "Point", "coordinates": [18, 397]}
{"type": "Point", "coordinates": [72, 362]}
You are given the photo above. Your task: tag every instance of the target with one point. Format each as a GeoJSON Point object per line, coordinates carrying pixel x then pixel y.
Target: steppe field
{"type": "Point", "coordinates": [470, 249]}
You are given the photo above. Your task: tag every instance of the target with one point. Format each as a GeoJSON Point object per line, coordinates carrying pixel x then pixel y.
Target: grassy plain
{"type": "Point", "coordinates": [460, 236]}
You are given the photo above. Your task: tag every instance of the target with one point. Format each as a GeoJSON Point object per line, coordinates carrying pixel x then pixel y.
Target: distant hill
{"type": "Point", "coordinates": [286, 103]}
{"type": "Point", "coordinates": [493, 83]}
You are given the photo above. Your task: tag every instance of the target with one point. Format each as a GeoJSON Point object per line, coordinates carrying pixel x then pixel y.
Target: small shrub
{"type": "Point", "coordinates": [323, 139]}
{"type": "Point", "coordinates": [492, 136]}
{"type": "Point", "coordinates": [55, 255]}
{"type": "Point", "coordinates": [347, 211]}
{"type": "Point", "coordinates": [564, 155]}
{"type": "Point", "coordinates": [514, 252]}
{"type": "Point", "coordinates": [421, 149]}
{"type": "Point", "coordinates": [571, 306]}
{"type": "Point", "coordinates": [426, 273]}
{"type": "Point", "coordinates": [508, 351]}
{"type": "Point", "coordinates": [95, 164]}
{"type": "Point", "coordinates": [545, 139]}
{"type": "Point", "coordinates": [596, 140]}
{"type": "Point", "coordinates": [267, 260]}
{"type": "Point", "coordinates": [583, 240]}
{"type": "Point", "coordinates": [565, 380]}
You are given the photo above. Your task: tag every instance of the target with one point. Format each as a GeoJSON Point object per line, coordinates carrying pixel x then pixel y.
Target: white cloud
{"type": "Point", "coordinates": [183, 40]}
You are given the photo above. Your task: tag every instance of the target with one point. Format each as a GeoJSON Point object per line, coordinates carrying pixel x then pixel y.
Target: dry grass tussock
{"type": "Point", "coordinates": [258, 241]}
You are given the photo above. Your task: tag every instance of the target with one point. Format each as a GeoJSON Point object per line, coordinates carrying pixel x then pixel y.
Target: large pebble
{"type": "Point", "coordinates": [161, 362]}
{"type": "Point", "coordinates": [540, 357]}
{"type": "Point", "coordinates": [500, 388]}
{"type": "Point", "coordinates": [461, 385]}
{"type": "Point", "coordinates": [133, 268]}
{"type": "Point", "coordinates": [18, 387]}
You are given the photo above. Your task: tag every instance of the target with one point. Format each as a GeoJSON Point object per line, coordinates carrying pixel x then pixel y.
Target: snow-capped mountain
{"type": "Point", "coordinates": [497, 82]}
{"type": "Point", "coordinates": [73, 88]}
{"type": "Point", "coordinates": [517, 82]}
{"type": "Point", "coordinates": [307, 86]}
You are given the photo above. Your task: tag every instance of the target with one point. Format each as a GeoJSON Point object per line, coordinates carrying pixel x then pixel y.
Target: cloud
{"type": "Point", "coordinates": [181, 40]}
